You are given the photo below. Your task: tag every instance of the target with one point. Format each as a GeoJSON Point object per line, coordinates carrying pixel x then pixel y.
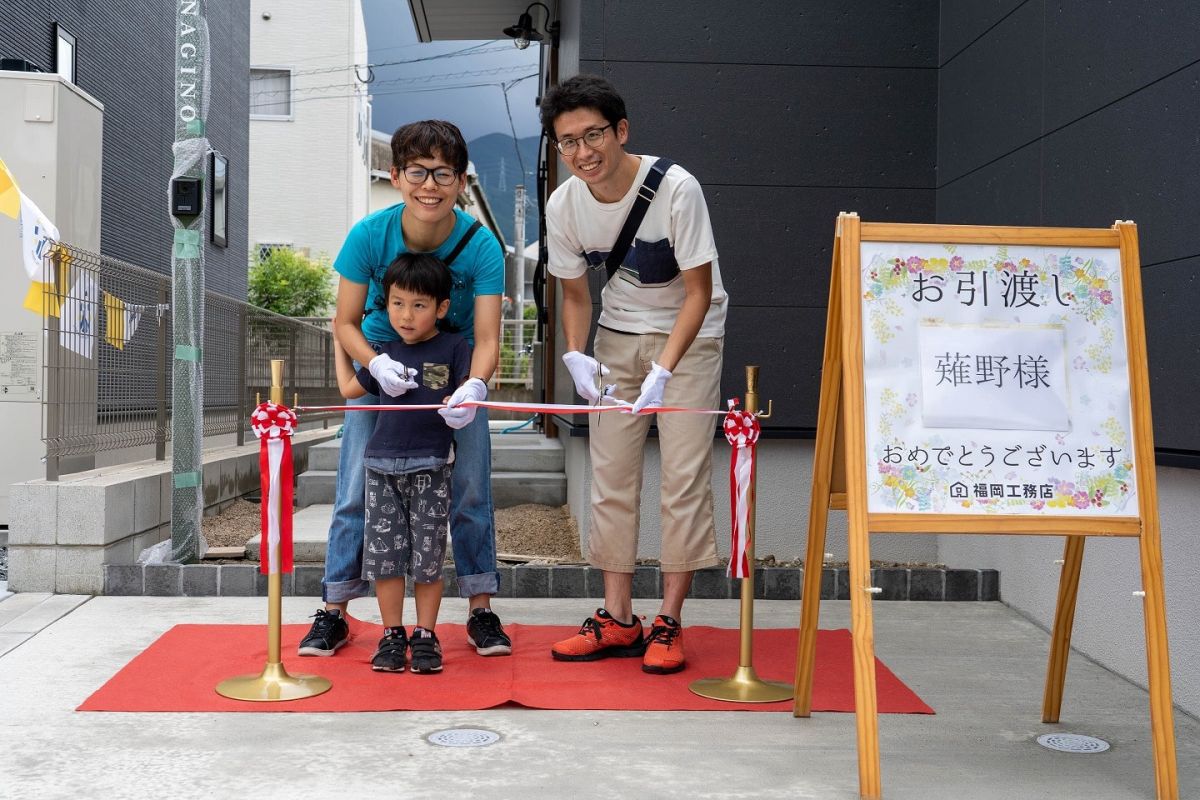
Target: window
{"type": "Point", "coordinates": [271, 93]}
{"type": "Point", "coordinates": [64, 53]}
{"type": "Point", "coordinates": [217, 209]}
{"type": "Point", "coordinates": [265, 248]}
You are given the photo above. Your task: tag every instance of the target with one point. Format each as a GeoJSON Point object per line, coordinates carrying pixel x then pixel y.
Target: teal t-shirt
{"type": "Point", "coordinates": [377, 240]}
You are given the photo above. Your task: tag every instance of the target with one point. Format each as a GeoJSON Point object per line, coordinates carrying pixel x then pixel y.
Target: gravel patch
{"type": "Point", "coordinates": [3, 563]}
{"type": "Point", "coordinates": [534, 531]}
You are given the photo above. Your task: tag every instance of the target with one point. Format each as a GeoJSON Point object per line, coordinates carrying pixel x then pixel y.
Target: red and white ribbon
{"type": "Point", "coordinates": [741, 431]}
{"type": "Point", "coordinates": [274, 425]}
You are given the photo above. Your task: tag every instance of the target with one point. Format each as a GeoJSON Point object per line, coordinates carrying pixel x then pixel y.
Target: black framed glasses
{"type": "Point", "coordinates": [592, 138]}
{"type": "Point", "coordinates": [442, 176]}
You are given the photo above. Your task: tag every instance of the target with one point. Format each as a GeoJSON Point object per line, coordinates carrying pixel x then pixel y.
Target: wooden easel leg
{"type": "Point", "coordinates": [866, 712]}
{"type": "Point", "coordinates": [1060, 635]}
{"type": "Point", "coordinates": [818, 509]}
{"type": "Point", "coordinates": [1162, 715]}
{"type": "Point", "coordinates": [810, 602]}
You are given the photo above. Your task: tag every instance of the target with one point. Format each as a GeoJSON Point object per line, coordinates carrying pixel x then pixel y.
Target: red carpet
{"type": "Point", "coordinates": [178, 673]}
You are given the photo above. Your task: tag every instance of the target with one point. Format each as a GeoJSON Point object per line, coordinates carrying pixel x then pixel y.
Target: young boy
{"type": "Point", "coordinates": [662, 319]}
{"type": "Point", "coordinates": [408, 460]}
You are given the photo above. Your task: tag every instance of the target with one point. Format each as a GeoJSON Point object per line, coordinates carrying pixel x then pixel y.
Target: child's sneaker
{"type": "Point", "coordinates": [664, 647]}
{"type": "Point", "coordinates": [426, 651]}
{"type": "Point", "coordinates": [601, 636]}
{"type": "Point", "coordinates": [329, 631]}
{"type": "Point", "coordinates": [390, 655]}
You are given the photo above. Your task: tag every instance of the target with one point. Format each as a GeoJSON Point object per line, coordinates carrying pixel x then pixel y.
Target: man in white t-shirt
{"type": "Point", "coordinates": [662, 324]}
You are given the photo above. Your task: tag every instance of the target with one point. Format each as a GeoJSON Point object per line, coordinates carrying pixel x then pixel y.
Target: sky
{"type": "Point", "coordinates": [423, 90]}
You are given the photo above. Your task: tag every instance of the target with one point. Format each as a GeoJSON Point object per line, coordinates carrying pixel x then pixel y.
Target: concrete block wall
{"type": "Point", "coordinates": [63, 532]}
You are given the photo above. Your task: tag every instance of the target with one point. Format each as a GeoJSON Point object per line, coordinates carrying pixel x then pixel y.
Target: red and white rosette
{"type": "Point", "coordinates": [274, 425]}
{"type": "Point", "coordinates": [741, 431]}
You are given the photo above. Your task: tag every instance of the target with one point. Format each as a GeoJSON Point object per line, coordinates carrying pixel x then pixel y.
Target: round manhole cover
{"type": "Point", "coordinates": [463, 737]}
{"type": "Point", "coordinates": [1072, 743]}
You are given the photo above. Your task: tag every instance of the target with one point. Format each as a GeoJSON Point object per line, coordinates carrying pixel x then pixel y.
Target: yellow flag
{"type": "Point", "coordinates": [114, 321]}
{"type": "Point", "coordinates": [42, 300]}
{"type": "Point", "coordinates": [10, 196]}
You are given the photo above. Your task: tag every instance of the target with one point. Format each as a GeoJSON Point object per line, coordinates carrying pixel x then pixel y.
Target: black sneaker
{"type": "Point", "coordinates": [329, 632]}
{"type": "Point", "coordinates": [391, 656]}
{"type": "Point", "coordinates": [426, 651]}
{"type": "Point", "coordinates": [486, 635]}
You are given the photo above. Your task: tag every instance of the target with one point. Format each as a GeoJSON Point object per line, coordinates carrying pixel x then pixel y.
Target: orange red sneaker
{"type": "Point", "coordinates": [664, 647]}
{"type": "Point", "coordinates": [601, 636]}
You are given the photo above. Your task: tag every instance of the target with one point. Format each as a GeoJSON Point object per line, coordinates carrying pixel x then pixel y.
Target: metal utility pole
{"type": "Point", "coordinates": [517, 280]}
{"type": "Point", "coordinates": [187, 278]}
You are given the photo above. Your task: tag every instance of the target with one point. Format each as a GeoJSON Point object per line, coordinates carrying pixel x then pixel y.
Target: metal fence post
{"type": "Point", "coordinates": [243, 388]}
{"type": "Point", "coordinates": [160, 416]}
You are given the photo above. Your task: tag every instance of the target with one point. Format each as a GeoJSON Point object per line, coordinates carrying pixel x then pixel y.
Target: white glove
{"type": "Point", "coordinates": [584, 371]}
{"type": "Point", "coordinates": [458, 416]}
{"type": "Point", "coordinates": [652, 388]}
{"type": "Point", "coordinates": [394, 378]}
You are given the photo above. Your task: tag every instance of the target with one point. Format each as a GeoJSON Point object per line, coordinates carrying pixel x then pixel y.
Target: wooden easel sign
{"type": "Point", "coordinates": [985, 380]}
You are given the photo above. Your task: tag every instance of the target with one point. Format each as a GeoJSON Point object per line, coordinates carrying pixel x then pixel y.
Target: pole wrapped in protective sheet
{"type": "Point", "coordinates": [187, 284]}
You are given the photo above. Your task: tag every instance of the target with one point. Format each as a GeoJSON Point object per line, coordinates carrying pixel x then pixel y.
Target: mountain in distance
{"type": "Point", "coordinates": [499, 170]}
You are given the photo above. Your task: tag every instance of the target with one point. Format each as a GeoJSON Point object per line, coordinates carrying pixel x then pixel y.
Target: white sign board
{"type": "Point", "coordinates": [996, 380]}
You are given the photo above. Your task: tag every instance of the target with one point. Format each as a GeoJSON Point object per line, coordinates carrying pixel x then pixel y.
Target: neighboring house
{"type": "Point", "coordinates": [310, 123]}
{"type": "Point", "coordinates": [1003, 113]}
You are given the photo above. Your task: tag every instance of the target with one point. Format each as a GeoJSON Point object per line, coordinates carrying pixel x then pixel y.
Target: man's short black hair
{"type": "Point", "coordinates": [429, 138]}
{"type": "Point", "coordinates": [582, 91]}
{"type": "Point", "coordinates": [421, 273]}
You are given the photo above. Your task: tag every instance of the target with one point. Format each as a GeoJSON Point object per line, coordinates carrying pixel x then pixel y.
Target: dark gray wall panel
{"type": "Point", "coordinates": [591, 30]}
{"type": "Point", "coordinates": [882, 33]}
{"type": "Point", "coordinates": [787, 344]}
{"type": "Point", "coordinates": [1005, 192]}
{"type": "Point", "coordinates": [990, 100]}
{"type": "Point", "coordinates": [783, 126]}
{"type": "Point", "coordinates": [1098, 52]}
{"type": "Point", "coordinates": [964, 21]}
{"type": "Point", "coordinates": [125, 59]}
{"type": "Point", "coordinates": [1137, 159]}
{"type": "Point", "coordinates": [775, 243]}
{"type": "Point", "coordinates": [1173, 350]}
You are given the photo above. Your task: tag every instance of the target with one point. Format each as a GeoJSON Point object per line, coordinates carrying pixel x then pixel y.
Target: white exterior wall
{"type": "Point", "coordinates": [309, 174]}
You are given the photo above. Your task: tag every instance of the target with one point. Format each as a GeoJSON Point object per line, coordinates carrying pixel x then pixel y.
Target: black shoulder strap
{"type": "Point", "coordinates": [637, 213]}
{"type": "Point", "coordinates": [466, 237]}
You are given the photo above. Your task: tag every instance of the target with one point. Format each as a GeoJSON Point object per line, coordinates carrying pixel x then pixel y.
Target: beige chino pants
{"type": "Point", "coordinates": [617, 443]}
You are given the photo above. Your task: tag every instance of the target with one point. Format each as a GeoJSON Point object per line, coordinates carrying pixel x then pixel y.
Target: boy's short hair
{"type": "Point", "coordinates": [582, 91]}
{"type": "Point", "coordinates": [422, 273]}
{"type": "Point", "coordinates": [429, 138]}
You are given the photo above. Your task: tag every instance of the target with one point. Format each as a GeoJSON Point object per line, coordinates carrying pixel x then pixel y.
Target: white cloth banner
{"type": "Point", "coordinates": [37, 232]}
{"type": "Point", "coordinates": [80, 314]}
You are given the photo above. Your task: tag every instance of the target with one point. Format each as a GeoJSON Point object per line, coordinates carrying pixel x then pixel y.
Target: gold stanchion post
{"type": "Point", "coordinates": [274, 683]}
{"type": "Point", "coordinates": [745, 686]}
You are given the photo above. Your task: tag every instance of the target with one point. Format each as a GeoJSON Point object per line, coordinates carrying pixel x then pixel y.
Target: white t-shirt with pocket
{"type": "Point", "coordinates": [645, 295]}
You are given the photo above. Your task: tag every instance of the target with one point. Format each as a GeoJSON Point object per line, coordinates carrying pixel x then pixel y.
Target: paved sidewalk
{"type": "Point", "coordinates": [979, 665]}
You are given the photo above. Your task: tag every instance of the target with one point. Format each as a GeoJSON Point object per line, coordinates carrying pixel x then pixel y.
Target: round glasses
{"type": "Point", "coordinates": [592, 139]}
{"type": "Point", "coordinates": [442, 176]}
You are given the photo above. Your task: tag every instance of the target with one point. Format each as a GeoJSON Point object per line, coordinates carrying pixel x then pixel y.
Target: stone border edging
{"type": "Point", "coordinates": [562, 581]}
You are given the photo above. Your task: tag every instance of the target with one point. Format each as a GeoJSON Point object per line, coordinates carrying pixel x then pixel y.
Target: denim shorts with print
{"type": "Point", "coordinates": [408, 518]}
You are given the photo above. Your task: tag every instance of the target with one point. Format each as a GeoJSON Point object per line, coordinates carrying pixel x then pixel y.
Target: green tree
{"type": "Point", "coordinates": [291, 284]}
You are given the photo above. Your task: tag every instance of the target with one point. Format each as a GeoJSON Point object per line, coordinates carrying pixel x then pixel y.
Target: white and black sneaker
{"type": "Point", "coordinates": [329, 631]}
{"type": "Point", "coordinates": [486, 634]}
{"type": "Point", "coordinates": [391, 654]}
{"type": "Point", "coordinates": [425, 650]}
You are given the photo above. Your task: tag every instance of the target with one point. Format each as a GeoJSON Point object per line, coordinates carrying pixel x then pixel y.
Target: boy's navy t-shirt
{"type": "Point", "coordinates": [442, 364]}
{"type": "Point", "coordinates": [377, 240]}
